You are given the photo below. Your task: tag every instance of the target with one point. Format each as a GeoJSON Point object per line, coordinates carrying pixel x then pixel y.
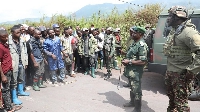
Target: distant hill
{"type": "Point", "coordinates": [88, 10]}
{"type": "Point", "coordinates": [24, 20]}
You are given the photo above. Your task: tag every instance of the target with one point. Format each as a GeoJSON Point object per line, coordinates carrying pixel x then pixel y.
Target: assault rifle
{"type": "Point", "coordinates": [182, 26]}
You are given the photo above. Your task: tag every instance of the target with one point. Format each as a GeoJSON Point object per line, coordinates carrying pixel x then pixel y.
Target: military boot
{"type": "Point", "coordinates": [35, 85]}
{"type": "Point", "coordinates": [138, 104]}
{"type": "Point", "coordinates": [101, 64]}
{"type": "Point", "coordinates": [107, 76]}
{"type": "Point", "coordinates": [40, 83]}
{"type": "Point", "coordinates": [131, 103]}
{"type": "Point", "coordinates": [92, 72]}
{"type": "Point", "coordinates": [86, 71]}
{"type": "Point", "coordinates": [115, 64]}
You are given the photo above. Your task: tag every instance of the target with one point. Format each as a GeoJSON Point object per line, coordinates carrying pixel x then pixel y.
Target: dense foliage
{"type": "Point", "coordinates": [132, 16]}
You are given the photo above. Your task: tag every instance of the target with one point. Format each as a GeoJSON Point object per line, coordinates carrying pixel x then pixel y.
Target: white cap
{"type": "Point", "coordinates": [25, 26]}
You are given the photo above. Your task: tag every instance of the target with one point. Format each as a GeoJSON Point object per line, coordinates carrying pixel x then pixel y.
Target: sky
{"type": "Point", "coordinates": [12, 10]}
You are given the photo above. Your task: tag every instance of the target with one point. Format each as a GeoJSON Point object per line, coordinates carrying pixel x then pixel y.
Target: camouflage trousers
{"type": "Point", "coordinates": [134, 77]}
{"type": "Point", "coordinates": [177, 91]}
{"type": "Point", "coordinates": [108, 63]}
{"type": "Point", "coordinates": [6, 92]}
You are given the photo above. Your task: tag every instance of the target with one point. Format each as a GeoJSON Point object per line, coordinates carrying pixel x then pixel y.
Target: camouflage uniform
{"type": "Point", "coordinates": [137, 51]}
{"type": "Point", "coordinates": [181, 65]}
{"type": "Point", "coordinates": [87, 46]}
{"type": "Point", "coordinates": [117, 49]}
{"type": "Point", "coordinates": [109, 46]}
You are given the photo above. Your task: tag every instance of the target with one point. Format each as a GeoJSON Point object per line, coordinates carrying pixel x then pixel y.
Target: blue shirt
{"type": "Point", "coordinates": [36, 49]}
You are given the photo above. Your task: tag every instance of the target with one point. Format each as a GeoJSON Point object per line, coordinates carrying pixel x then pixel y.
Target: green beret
{"type": "Point", "coordinates": [139, 29]}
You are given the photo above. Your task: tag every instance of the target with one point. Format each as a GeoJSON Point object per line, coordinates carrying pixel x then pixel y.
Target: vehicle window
{"type": "Point", "coordinates": [160, 27]}
{"type": "Point", "coordinates": [196, 21]}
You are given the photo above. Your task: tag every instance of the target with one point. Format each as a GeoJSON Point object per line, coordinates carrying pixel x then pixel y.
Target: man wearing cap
{"type": "Point", "coordinates": [56, 29]}
{"type": "Point", "coordinates": [182, 49]}
{"type": "Point", "coordinates": [117, 47]}
{"type": "Point", "coordinates": [87, 47]}
{"type": "Point", "coordinates": [134, 62]}
{"type": "Point", "coordinates": [109, 46]}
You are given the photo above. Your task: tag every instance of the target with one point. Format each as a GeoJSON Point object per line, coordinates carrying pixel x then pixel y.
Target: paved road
{"type": "Point", "coordinates": [86, 94]}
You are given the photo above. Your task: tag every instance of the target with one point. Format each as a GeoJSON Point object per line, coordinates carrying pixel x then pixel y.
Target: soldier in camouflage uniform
{"type": "Point", "coordinates": [109, 46]}
{"type": "Point", "coordinates": [87, 46]}
{"type": "Point", "coordinates": [128, 43]}
{"type": "Point", "coordinates": [117, 48]}
{"type": "Point", "coordinates": [135, 60]}
{"type": "Point", "coordinates": [182, 41]}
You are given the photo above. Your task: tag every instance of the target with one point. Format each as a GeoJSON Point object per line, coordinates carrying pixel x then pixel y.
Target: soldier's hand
{"type": "Point", "coordinates": [109, 57]}
{"type": "Point", "coordinates": [4, 79]}
{"type": "Point", "coordinates": [53, 56]}
{"type": "Point", "coordinates": [125, 61]}
{"type": "Point", "coordinates": [36, 65]}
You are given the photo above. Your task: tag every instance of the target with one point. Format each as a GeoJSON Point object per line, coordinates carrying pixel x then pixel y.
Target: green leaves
{"type": "Point", "coordinates": [130, 17]}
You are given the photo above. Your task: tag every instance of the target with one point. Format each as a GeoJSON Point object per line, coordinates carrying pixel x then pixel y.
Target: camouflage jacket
{"type": "Point", "coordinates": [109, 44]}
{"type": "Point", "coordinates": [137, 51]}
{"type": "Point", "coordinates": [92, 46]}
{"type": "Point", "coordinates": [180, 47]}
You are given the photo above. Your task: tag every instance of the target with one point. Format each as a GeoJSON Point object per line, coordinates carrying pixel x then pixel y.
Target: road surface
{"type": "Point", "coordinates": [87, 94]}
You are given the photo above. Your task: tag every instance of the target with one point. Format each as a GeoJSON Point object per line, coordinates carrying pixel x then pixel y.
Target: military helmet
{"type": "Point", "coordinates": [180, 11]}
{"type": "Point", "coordinates": [139, 29]}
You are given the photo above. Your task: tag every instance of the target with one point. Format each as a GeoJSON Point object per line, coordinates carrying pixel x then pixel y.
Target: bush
{"type": "Point", "coordinates": [146, 15]}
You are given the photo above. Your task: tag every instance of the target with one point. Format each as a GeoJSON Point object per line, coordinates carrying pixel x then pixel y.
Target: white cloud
{"type": "Point", "coordinates": [18, 9]}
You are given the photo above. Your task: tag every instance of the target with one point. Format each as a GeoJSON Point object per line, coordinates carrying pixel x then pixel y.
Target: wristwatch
{"type": "Point", "coordinates": [130, 62]}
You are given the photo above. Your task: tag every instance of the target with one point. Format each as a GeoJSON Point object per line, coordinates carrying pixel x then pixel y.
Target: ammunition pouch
{"type": "Point", "coordinates": [174, 51]}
